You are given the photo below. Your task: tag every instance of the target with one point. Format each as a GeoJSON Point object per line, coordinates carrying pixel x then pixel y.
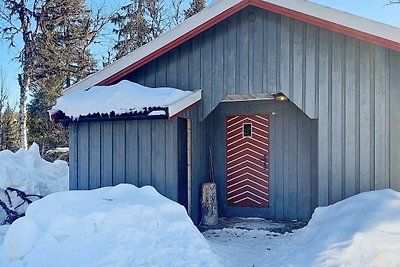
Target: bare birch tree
{"type": "Point", "coordinates": [65, 28]}
{"type": "Point", "coordinates": [177, 14]}
{"type": "Point", "coordinates": [21, 19]}
{"type": "Point", "coordinates": [195, 7]}
{"type": "Point", "coordinates": [3, 102]}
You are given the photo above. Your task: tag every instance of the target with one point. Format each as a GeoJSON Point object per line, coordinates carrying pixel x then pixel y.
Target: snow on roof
{"type": "Point", "coordinates": [336, 20]}
{"type": "Point", "coordinates": [124, 97]}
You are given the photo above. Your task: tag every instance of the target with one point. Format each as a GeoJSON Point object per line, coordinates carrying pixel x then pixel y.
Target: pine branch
{"type": "Point", "coordinates": [11, 215]}
{"type": "Point", "coordinates": [21, 194]}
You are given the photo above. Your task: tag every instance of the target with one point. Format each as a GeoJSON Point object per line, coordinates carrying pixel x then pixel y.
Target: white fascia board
{"type": "Point", "coordinates": [184, 103]}
{"type": "Point", "coordinates": [341, 18]}
{"type": "Point", "coordinates": [164, 39]}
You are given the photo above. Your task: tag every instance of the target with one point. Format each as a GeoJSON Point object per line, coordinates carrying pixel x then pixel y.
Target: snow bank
{"type": "Point", "coordinates": [27, 171]}
{"type": "Point", "coordinates": [123, 97]}
{"type": "Point", "coordinates": [363, 230]}
{"type": "Point", "coordinates": [114, 226]}
{"type": "Point", "coordinates": [3, 231]}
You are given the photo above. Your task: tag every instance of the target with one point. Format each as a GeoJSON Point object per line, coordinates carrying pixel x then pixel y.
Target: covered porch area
{"type": "Point", "coordinates": [263, 159]}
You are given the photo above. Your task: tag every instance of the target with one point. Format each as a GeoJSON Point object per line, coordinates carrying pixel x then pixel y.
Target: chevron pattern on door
{"type": "Point", "coordinates": [247, 160]}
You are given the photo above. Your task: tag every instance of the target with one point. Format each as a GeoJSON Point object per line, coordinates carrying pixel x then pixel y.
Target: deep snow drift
{"type": "Point", "coordinates": [363, 230]}
{"type": "Point", "coordinates": [27, 171]}
{"type": "Point", "coordinates": [123, 97]}
{"type": "Point", "coordinates": [114, 226]}
{"type": "Point", "coordinates": [129, 226]}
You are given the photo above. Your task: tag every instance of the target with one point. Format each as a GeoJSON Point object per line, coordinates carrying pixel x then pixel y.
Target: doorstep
{"type": "Point", "coordinates": [253, 223]}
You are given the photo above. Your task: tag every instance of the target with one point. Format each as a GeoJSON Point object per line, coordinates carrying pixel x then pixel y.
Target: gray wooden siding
{"type": "Point", "coordinates": [272, 54]}
{"type": "Point", "coordinates": [350, 86]}
{"type": "Point", "coordinates": [292, 144]}
{"type": "Point", "coordinates": [144, 152]}
{"type": "Point", "coordinates": [358, 116]}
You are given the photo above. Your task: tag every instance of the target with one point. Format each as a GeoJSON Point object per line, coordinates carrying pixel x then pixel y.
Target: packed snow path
{"type": "Point", "coordinates": [363, 230]}
{"type": "Point", "coordinates": [251, 242]}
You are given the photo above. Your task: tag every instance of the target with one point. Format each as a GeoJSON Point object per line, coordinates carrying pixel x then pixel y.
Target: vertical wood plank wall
{"type": "Point", "coordinates": [137, 152]}
{"type": "Point", "coordinates": [351, 87]}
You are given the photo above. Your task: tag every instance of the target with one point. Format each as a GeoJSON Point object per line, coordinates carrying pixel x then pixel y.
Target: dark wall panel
{"type": "Point", "coordinates": [95, 155]}
{"type": "Point", "coordinates": [83, 158]}
{"type": "Point", "coordinates": [73, 156]}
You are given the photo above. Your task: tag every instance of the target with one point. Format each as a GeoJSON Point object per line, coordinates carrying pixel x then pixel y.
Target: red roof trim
{"type": "Point", "coordinates": [327, 24]}
{"type": "Point", "coordinates": [266, 6]}
{"type": "Point", "coordinates": [227, 13]}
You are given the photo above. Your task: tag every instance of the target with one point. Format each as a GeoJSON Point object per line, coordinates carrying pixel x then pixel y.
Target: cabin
{"type": "Point", "coordinates": [291, 106]}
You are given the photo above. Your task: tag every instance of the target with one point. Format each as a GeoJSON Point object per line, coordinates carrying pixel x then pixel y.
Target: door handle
{"type": "Point", "coordinates": [264, 160]}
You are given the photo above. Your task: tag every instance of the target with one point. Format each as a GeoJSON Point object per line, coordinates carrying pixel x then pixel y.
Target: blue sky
{"type": "Point", "coordinates": [372, 9]}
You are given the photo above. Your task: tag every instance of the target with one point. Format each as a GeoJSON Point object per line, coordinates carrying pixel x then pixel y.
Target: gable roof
{"type": "Point", "coordinates": [325, 17]}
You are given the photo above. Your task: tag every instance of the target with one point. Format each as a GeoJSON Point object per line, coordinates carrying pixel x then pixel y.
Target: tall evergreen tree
{"type": "Point", "coordinates": [133, 29]}
{"type": "Point", "coordinates": [9, 132]}
{"type": "Point", "coordinates": [46, 134]}
{"type": "Point", "coordinates": [195, 7]}
{"type": "Point", "coordinates": [67, 30]}
{"type": "Point", "coordinates": [63, 57]}
{"type": "Point", "coordinates": [138, 23]}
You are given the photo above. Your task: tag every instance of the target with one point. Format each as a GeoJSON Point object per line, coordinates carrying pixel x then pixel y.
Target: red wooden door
{"type": "Point", "coordinates": [247, 160]}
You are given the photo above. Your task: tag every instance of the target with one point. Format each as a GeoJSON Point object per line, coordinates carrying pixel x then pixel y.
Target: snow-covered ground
{"type": "Point", "coordinates": [114, 226]}
{"type": "Point", "coordinates": [247, 245]}
{"type": "Point", "coordinates": [129, 226]}
{"type": "Point", "coordinates": [27, 171]}
{"type": "Point", "coordinates": [363, 230]}
{"type": "Point", "coordinates": [3, 231]}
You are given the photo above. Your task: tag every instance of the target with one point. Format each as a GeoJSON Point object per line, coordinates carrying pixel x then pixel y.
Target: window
{"type": "Point", "coordinates": [247, 130]}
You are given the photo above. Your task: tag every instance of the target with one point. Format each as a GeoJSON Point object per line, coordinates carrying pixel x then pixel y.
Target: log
{"type": "Point", "coordinates": [209, 204]}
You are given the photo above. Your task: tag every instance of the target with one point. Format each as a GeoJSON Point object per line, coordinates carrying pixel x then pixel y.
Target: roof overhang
{"type": "Point", "coordinates": [247, 97]}
{"type": "Point", "coordinates": [325, 17]}
{"type": "Point", "coordinates": [169, 112]}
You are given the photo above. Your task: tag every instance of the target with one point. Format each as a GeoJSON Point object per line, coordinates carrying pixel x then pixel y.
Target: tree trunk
{"type": "Point", "coordinates": [24, 77]}
{"type": "Point", "coordinates": [1, 128]}
{"type": "Point", "coordinates": [23, 84]}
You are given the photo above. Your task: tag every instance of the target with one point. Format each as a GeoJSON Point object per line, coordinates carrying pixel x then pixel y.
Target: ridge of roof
{"type": "Point", "coordinates": [316, 14]}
